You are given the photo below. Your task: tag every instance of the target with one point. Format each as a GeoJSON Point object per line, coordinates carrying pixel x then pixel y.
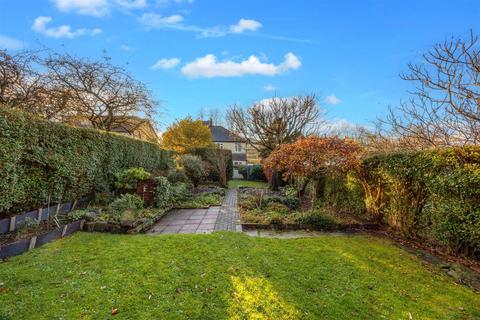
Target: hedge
{"type": "Point", "coordinates": [434, 195]}
{"type": "Point", "coordinates": [43, 162]}
{"type": "Point", "coordinates": [252, 172]}
{"type": "Point", "coordinates": [204, 154]}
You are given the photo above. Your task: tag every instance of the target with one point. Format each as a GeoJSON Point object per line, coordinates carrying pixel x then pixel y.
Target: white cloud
{"type": "Point", "coordinates": [341, 128]}
{"type": "Point", "coordinates": [209, 67]}
{"type": "Point", "coordinates": [245, 25]}
{"type": "Point", "coordinates": [153, 20]}
{"type": "Point", "coordinates": [126, 48]}
{"type": "Point", "coordinates": [332, 99]}
{"type": "Point", "coordinates": [269, 87]}
{"type": "Point", "coordinates": [63, 31]}
{"type": "Point", "coordinates": [165, 64]}
{"type": "Point", "coordinates": [10, 43]}
{"type": "Point", "coordinates": [132, 4]}
{"type": "Point", "coordinates": [96, 8]}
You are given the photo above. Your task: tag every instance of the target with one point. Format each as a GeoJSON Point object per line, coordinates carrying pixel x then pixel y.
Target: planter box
{"type": "Point", "coordinates": [21, 246]}
{"type": "Point", "coordinates": [4, 225]}
{"type": "Point", "coordinates": [14, 249]}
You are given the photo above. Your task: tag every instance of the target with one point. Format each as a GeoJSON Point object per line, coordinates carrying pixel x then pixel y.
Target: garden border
{"type": "Point", "coordinates": [10, 224]}
{"type": "Point", "coordinates": [21, 246]}
{"type": "Point", "coordinates": [291, 226]}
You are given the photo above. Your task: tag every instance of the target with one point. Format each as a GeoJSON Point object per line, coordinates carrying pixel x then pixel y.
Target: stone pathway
{"type": "Point", "coordinates": [187, 221]}
{"type": "Point", "coordinates": [201, 220]}
{"type": "Point", "coordinates": [228, 218]}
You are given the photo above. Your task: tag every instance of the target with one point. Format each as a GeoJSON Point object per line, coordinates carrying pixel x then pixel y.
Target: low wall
{"type": "Point", "coordinates": [21, 246]}
{"type": "Point", "coordinates": [10, 224]}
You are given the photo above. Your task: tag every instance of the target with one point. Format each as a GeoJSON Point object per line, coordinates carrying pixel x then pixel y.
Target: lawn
{"type": "Point", "coordinates": [232, 184]}
{"type": "Point", "coordinates": [227, 276]}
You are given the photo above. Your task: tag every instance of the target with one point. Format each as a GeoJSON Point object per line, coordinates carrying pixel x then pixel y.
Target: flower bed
{"type": "Point", "coordinates": [264, 209]}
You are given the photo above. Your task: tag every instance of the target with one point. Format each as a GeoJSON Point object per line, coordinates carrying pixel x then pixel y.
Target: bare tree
{"type": "Point", "coordinates": [103, 93]}
{"type": "Point", "coordinates": [267, 124]}
{"type": "Point", "coordinates": [20, 84]}
{"type": "Point", "coordinates": [215, 115]}
{"type": "Point", "coordinates": [444, 109]}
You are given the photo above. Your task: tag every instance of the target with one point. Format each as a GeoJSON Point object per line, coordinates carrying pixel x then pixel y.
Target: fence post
{"type": "Point", "coordinates": [11, 227]}
{"type": "Point", "coordinates": [33, 241]}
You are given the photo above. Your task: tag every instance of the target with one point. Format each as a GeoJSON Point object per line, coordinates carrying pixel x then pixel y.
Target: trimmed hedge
{"type": "Point", "coordinates": [434, 195]}
{"type": "Point", "coordinates": [43, 162]}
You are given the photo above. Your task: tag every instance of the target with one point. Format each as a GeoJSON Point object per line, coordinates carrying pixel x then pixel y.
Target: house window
{"type": "Point", "coordinates": [220, 145]}
{"type": "Point", "coordinates": [238, 147]}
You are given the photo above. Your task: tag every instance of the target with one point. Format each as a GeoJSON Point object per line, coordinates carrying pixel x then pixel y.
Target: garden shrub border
{"type": "Point", "coordinates": [431, 195]}
{"type": "Point", "coordinates": [44, 162]}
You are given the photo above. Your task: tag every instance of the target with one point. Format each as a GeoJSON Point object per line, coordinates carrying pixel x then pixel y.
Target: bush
{"type": "Point", "coordinates": [42, 162]}
{"type": "Point", "coordinates": [164, 194]}
{"type": "Point", "coordinates": [125, 202]}
{"type": "Point", "coordinates": [430, 194]}
{"type": "Point", "coordinates": [315, 218]}
{"type": "Point", "coordinates": [277, 208]}
{"type": "Point", "coordinates": [177, 176]}
{"type": "Point", "coordinates": [207, 154]}
{"type": "Point", "coordinates": [180, 191]}
{"type": "Point", "coordinates": [127, 179]}
{"type": "Point", "coordinates": [252, 172]}
{"type": "Point", "coordinates": [193, 167]}
{"type": "Point", "coordinates": [293, 203]}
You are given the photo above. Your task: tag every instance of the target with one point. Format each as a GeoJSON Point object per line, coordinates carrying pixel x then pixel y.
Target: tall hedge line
{"type": "Point", "coordinates": [433, 194]}
{"type": "Point", "coordinates": [43, 161]}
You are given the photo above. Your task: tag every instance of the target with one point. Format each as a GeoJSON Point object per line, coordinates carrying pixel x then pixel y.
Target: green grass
{"type": "Point", "coordinates": [232, 184]}
{"type": "Point", "coordinates": [227, 276]}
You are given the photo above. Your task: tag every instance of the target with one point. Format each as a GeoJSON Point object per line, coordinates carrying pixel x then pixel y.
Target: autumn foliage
{"type": "Point", "coordinates": [187, 134]}
{"type": "Point", "coordinates": [311, 158]}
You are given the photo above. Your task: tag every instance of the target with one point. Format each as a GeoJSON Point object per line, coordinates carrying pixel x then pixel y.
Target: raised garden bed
{"type": "Point", "coordinates": [126, 226]}
{"type": "Point", "coordinates": [11, 223]}
{"type": "Point", "coordinates": [38, 239]}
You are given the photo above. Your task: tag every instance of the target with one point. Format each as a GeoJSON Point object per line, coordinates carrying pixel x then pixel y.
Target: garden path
{"type": "Point", "coordinates": [224, 218]}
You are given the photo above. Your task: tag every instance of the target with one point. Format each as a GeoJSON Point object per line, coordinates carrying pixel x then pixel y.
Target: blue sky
{"type": "Point", "coordinates": [209, 54]}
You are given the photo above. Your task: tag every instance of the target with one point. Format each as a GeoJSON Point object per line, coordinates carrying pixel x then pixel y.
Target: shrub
{"type": "Point", "coordinates": [291, 202]}
{"type": "Point", "coordinates": [125, 202]}
{"type": "Point", "coordinates": [315, 218]}
{"type": "Point", "coordinates": [275, 207]}
{"type": "Point", "coordinates": [127, 179]}
{"type": "Point", "coordinates": [42, 162]}
{"type": "Point", "coordinates": [27, 224]}
{"type": "Point", "coordinates": [102, 199]}
{"type": "Point", "coordinates": [177, 176]}
{"type": "Point", "coordinates": [252, 172]}
{"type": "Point", "coordinates": [429, 194]}
{"type": "Point", "coordinates": [164, 194]}
{"type": "Point", "coordinates": [180, 191]}
{"type": "Point", "coordinates": [193, 167]}
{"type": "Point", "coordinates": [208, 155]}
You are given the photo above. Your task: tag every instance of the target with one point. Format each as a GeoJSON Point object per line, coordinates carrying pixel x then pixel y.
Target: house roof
{"type": "Point", "coordinates": [222, 134]}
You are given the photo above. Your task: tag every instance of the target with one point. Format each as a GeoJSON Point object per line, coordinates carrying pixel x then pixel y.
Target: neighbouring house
{"type": "Point", "coordinates": [131, 126]}
{"type": "Point", "coordinates": [242, 153]}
